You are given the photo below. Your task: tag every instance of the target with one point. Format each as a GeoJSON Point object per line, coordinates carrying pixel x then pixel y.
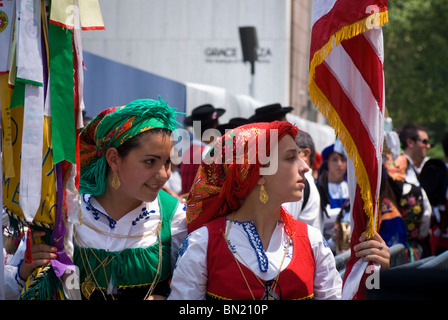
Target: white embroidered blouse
{"type": "Point", "coordinates": [190, 274]}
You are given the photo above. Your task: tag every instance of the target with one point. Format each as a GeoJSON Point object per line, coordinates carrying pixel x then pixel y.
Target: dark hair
{"type": "Point", "coordinates": [410, 131]}
{"type": "Point", "coordinates": [389, 188]}
{"type": "Point", "coordinates": [209, 125]}
{"type": "Point", "coordinates": [322, 187]}
{"type": "Point", "coordinates": [304, 140]}
{"type": "Point", "coordinates": [322, 184]}
{"type": "Point", "coordinates": [134, 142]}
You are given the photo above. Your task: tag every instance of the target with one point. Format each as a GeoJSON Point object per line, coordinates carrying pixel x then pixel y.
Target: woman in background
{"type": "Point", "coordinates": [333, 190]}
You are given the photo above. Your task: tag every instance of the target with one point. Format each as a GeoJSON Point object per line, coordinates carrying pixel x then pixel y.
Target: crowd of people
{"type": "Point", "coordinates": [225, 229]}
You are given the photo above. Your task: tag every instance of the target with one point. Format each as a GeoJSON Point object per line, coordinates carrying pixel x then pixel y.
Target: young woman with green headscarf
{"type": "Point", "coordinates": [130, 229]}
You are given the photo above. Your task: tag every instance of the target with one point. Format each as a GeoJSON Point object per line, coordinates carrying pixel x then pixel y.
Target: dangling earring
{"type": "Point", "coordinates": [263, 195]}
{"type": "Point", "coordinates": [116, 183]}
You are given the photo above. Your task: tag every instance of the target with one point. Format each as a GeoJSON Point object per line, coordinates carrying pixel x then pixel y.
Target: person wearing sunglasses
{"type": "Point", "coordinates": [415, 143]}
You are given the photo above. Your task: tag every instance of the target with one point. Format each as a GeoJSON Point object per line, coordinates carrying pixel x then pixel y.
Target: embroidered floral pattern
{"type": "Point", "coordinates": [143, 216]}
{"type": "Point", "coordinates": [88, 150]}
{"type": "Point", "coordinates": [184, 246]}
{"type": "Point", "coordinates": [211, 177]}
{"type": "Point", "coordinates": [396, 168]}
{"type": "Point", "coordinates": [231, 246]}
{"type": "Point", "coordinates": [257, 244]}
{"type": "Point", "coordinates": [97, 213]}
{"type": "Point", "coordinates": [104, 143]}
{"type": "Point", "coordinates": [290, 249]}
{"type": "Point", "coordinates": [411, 209]}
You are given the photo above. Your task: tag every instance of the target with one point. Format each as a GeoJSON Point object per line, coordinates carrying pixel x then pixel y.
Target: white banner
{"type": "Point", "coordinates": [32, 145]}
{"type": "Point", "coordinates": [30, 72]}
{"type": "Point", "coordinates": [29, 46]}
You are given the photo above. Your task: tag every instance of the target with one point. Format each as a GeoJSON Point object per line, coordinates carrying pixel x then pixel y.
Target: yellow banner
{"type": "Point", "coordinates": [5, 101]}
{"type": "Point", "coordinates": [11, 182]}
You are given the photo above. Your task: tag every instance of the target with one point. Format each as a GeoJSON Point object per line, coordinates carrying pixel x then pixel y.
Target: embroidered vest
{"type": "Point", "coordinates": [132, 267]}
{"type": "Point", "coordinates": [225, 280]}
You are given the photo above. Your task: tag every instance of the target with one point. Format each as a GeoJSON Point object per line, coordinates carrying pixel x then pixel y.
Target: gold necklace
{"type": "Point", "coordinates": [157, 276]}
{"type": "Point", "coordinates": [89, 286]}
{"type": "Point", "coordinates": [272, 288]}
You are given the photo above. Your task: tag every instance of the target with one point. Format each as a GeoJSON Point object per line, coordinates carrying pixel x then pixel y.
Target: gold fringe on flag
{"type": "Point", "coordinates": [327, 109]}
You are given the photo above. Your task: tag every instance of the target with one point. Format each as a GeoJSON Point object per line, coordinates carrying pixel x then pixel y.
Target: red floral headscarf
{"type": "Point", "coordinates": [231, 170]}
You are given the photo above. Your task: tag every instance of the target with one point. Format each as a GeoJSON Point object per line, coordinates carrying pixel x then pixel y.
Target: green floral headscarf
{"type": "Point", "coordinates": [111, 128]}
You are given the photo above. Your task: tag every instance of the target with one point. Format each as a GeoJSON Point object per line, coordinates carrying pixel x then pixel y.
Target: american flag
{"type": "Point", "coordinates": [346, 84]}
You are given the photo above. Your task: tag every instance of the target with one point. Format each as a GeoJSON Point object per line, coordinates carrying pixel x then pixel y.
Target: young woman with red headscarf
{"type": "Point", "coordinates": [242, 244]}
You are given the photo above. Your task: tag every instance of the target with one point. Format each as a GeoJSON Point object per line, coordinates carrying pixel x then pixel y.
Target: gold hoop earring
{"type": "Point", "coordinates": [116, 183]}
{"type": "Point", "coordinates": [263, 195]}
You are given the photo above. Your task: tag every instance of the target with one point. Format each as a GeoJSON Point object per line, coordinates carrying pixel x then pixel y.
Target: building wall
{"type": "Point", "coordinates": [198, 41]}
{"type": "Point", "coordinates": [301, 12]}
{"type": "Point", "coordinates": [300, 39]}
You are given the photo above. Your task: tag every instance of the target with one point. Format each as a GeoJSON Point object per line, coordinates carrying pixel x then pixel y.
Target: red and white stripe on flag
{"type": "Point", "coordinates": [346, 84]}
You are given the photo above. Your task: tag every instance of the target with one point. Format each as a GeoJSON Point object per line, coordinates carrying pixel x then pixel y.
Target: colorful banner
{"type": "Point", "coordinates": [46, 211]}
{"type": "Point", "coordinates": [40, 99]}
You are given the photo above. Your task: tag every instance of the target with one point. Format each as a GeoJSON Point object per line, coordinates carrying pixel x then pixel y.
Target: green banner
{"type": "Point", "coordinates": [61, 93]}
